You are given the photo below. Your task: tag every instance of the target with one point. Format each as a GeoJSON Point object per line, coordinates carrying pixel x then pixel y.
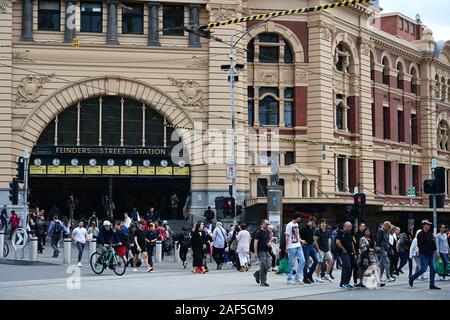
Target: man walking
{"type": "Point", "coordinates": [219, 241]}
{"type": "Point", "coordinates": [427, 248]}
{"type": "Point", "coordinates": [307, 234]}
{"type": "Point", "coordinates": [347, 251]}
{"type": "Point", "coordinates": [294, 249]}
{"type": "Point", "coordinates": [41, 231]}
{"type": "Point", "coordinates": [79, 235]}
{"type": "Point", "coordinates": [322, 244]}
{"type": "Point", "coordinates": [54, 232]}
{"type": "Point", "coordinates": [209, 217]}
{"type": "Point", "coordinates": [262, 249]}
{"type": "Point", "coordinates": [383, 246]}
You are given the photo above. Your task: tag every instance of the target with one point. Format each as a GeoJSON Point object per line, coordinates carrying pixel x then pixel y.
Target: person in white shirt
{"type": "Point", "coordinates": [79, 235]}
{"type": "Point", "coordinates": [243, 247]}
{"type": "Point", "coordinates": [127, 220]}
{"type": "Point", "coordinates": [294, 249]}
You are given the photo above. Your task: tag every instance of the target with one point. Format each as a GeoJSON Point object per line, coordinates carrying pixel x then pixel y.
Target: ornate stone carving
{"type": "Point", "coordinates": [224, 12]}
{"type": "Point", "coordinates": [301, 75]}
{"type": "Point", "coordinates": [287, 76]}
{"type": "Point", "coordinates": [326, 30]}
{"type": "Point", "coordinates": [366, 45]}
{"type": "Point", "coordinates": [267, 77]}
{"type": "Point", "coordinates": [31, 88]}
{"type": "Point", "coordinates": [199, 63]}
{"type": "Point", "coordinates": [21, 56]}
{"type": "Point", "coordinates": [5, 4]}
{"type": "Point", "coordinates": [189, 92]}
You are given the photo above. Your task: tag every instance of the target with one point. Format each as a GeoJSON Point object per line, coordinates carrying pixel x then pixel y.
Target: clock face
{"type": "Point", "coordinates": [164, 163]}
{"type": "Point", "coordinates": [128, 162]}
{"type": "Point", "coordinates": [110, 162]}
{"type": "Point", "coordinates": [56, 162]}
{"type": "Point", "coordinates": [146, 163]}
{"type": "Point", "coordinates": [181, 163]}
{"type": "Point", "coordinates": [37, 162]}
{"type": "Point", "coordinates": [92, 162]}
{"type": "Point", "coordinates": [74, 162]}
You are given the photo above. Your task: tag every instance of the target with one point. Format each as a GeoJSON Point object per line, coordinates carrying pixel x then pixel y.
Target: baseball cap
{"type": "Point", "coordinates": [426, 222]}
{"type": "Point", "coordinates": [106, 223]}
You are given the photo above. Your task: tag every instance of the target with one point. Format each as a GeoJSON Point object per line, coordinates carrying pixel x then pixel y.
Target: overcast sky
{"type": "Point", "coordinates": [434, 13]}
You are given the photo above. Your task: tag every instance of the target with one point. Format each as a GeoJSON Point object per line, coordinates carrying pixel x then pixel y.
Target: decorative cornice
{"type": "Point", "coordinates": [396, 48]}
{"type": "Point", "coordinates": [5, 4]}
{"type": "Point", "coordinates": [199, 63]}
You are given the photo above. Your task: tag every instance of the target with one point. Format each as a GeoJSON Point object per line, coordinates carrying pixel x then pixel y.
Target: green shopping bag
{"type": "Point", "coordinates": [439, 266]}
{"type": "Point", "coordinates": [284, 266]}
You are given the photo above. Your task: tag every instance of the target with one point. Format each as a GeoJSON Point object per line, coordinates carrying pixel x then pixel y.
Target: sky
{"type": "Point", "coordinates": [435, 14]}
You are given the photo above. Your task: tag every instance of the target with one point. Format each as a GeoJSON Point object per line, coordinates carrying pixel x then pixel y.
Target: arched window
{"type": "Point", "coordinates": [442, 135]}
{"type": "Point", "coordinates": [269, 111]}
{"type": "Point", "coordinates": [400, 76]}
{"type": "Point", "coordinates": [386, 71]}
{"type": "Point", "coordinates": [269, 47]}
{"type": "Point", "coordinates": [343, 60]}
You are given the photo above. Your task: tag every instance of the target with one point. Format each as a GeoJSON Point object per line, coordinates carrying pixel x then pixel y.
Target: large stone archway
{"type": "Point", "coordinates": [38, 119]}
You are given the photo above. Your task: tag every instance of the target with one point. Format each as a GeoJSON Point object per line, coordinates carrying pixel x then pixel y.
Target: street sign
{"type": "Point", "coordinates": [231, 171]}
{"type": "Point", "coordinates": [411, 192]}
{"type": "Point", "coordinates": [19, 238]}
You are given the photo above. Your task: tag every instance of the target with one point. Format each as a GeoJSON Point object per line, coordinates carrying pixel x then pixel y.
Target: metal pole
{"type": "Point", "coordinates": [233, 129]}
{"type": "Point", "coordinates": [434, 210]}
{"type": "Point", "coordinates": [411, 182]}
{"type": "Point", "coordinates": [26, 159]}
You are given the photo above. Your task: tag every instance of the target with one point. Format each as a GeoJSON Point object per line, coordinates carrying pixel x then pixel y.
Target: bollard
{"type": "Point", "coordinates": [177, 252]}
{"type": "Point", "coordinates": [2, 242]}
{"type": "Point", "coordinates": [158, 257]}
{"type": "Point", "coordinates": [33, 249]}
{"type": "Point", "coordinates": [19, 254]}
{"type": "Point", "coordinates": [92, 248]}
{"type": "Point", "coordinates": [67, 250]}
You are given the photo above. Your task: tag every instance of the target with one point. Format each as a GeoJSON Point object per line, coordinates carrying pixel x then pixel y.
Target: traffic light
{"type": "Point", "coordinates": [14, 191]}
{"type": "Point", "coordinates": [439, 176]}
{"type": "Point", "coordinates": [430, 186]}
{"type": "Point", "coordinates": [228, 206]}
{"type": "Point", "coordinates": [359, 205]}
{"type": "Point", "coordinates": [20, 169]}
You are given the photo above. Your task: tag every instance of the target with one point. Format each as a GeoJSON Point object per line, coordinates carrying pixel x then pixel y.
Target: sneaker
{"type": "Point", "coordinates": [331, 277]}
{"type": "Point", "coordinates": [290, 282]}
{"type": "Point", "coordinates": [327, 278]}
{"type": "Point", "coordinates": [256, 278]}
{"type": "Point", "coordinates": [344, 286]}
{"type": "Point", "coordinates": [319, 280]}
{"type": "Point", "coordinates": [264, 284]}
{"type": "Point", "coordinates": [298, 282]}
{"type": "Point", "coordinates": [349, 286]}
{"type": "Point", "coordinates": [310, 278]}
{"type": "Point", "coordinates": [434, 288]}
{"type": "Point", "coordinates": [391, 280]}
{"type": "Point", "coordinates": [150, 269]}
{"type": "Point", "coordinates": [411, 282]}
{"type": "Point", "coordinates": [306, 280]}
{"type": "Point", "coordinates": [220, 266]}
{"type": "Point", "coordinates": [134, 270]}
{"type": "Point", "coordinates": [184, 265]}
{"type": "Point", "coordinates": [79, 264]}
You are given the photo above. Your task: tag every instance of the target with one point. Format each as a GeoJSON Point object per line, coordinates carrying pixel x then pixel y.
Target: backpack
{"type": "Point", "coordinates": [186, 243]}
{"type": "Point", "coordinates": [252, 241]}
{"type": "Point", "coordinates": [58, 228]}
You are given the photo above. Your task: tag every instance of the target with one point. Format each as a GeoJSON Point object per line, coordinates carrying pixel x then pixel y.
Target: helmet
{"type": "Point", "coordinates": [165, 222]}
{"type": "Point", "coordinates": [106, 223]}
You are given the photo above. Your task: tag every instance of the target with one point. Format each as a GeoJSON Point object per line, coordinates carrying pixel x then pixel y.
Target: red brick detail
{"type": "Point", "coordinates": [354, 173]}
{"type": "Point", "coordinates": [379, 177]}
{"type": "Point", "coordinates": [301, 106]}
{"type": "Point", "coordinates": [395, 188]}
{"type": "Point", "coordinates": [353, 114]}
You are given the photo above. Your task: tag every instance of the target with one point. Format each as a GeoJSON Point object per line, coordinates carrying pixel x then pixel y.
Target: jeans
{"type": "Point", "coordinates": [41, 238]}
{"type": "Point", "coordinates": [183, 253]}
{"type": "Point", "coordinates": [296, 254]}
{"type": "Point", "coordinates": [425, 262]}
{"type": "Point", "coordinates": [308, 251]}
{"type": "Point", "coordinates": [150, 254]}
{"type": "Point", "coordinates": [264, 264]}
{"type": "Point", "coordinates": [218, 255]}
{"type": "Point", "coordinates": [55, 241]}
{"type": "Point", "coordinates": [444, 257]}
{"type": "Point", "coordinates": [384, 264]}
{"type": "Point", "coordinates": [404, 258]}
{"type": "Point", "coordinates": [346, 269]}
{"type": "Point", "coordinates": [80, 247]}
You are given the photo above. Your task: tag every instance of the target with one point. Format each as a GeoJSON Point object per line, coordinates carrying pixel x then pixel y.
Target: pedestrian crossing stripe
{"type": "Point", "coordinates": [340, 4]}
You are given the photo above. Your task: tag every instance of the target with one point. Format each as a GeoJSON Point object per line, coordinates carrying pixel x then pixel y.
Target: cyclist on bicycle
{"type": "Point", "coordinates": [106, 238]}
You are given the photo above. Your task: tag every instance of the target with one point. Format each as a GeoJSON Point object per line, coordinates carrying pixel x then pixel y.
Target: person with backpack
{"type": "Point", "coordinates": [54, 232]}
{"type": "Point", "coordinates": [209, 217]}
{"type": "Point", "coordinates": [41, 231]}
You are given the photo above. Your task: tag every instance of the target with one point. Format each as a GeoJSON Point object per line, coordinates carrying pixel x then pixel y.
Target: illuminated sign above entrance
{"type": "Point", "coordinates": [111, 151]}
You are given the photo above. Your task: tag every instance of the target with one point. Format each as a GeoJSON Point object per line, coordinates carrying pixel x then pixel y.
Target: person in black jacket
{"type": "Point", "coordinates": [427, 248]}
{"type": "Point", "coordinates": [198, 245]}
{"type": "Point", "coordinates": [41, 231]}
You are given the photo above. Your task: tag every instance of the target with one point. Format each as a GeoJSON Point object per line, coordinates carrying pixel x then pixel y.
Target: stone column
{"type": "Point", "coordinates": [111, 34]}
{"type": "Point", "coordinates": [194, 19]}
{"type": "Point", "coordinates": [27, 20]}
{"type": "Point", "coordinates": [153, 24]}
{"type": "Point", "coordinates": [69, 26]}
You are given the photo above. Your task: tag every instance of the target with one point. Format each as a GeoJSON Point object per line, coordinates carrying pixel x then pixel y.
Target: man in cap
{"type": "Point", "coordinates": [427, 248]}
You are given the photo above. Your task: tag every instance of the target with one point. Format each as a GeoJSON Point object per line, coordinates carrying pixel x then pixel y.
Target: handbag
{"type": "Point", "coordinates": [234, 245]}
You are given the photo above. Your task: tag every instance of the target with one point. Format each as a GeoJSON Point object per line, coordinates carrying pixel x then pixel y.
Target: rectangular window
{"type": "Point", "coordinates": [251, 105]}
{"type": "Point", "coordinates": [281, 184]}
{"type": "Point", "coordinates": [49, 16]}
{"type": "Point", "coordinates": [91, 16]}
{"type": "Point", "coordinates": [340, 117]}
{"type": "Point", "coordinates": [387, 178]}
{"type": "Point", "coordinates": [412, 28]}
{"type": "Point", "coordinates": [173, 20]}
{"type": "Point", "coordinates": [89, 122]}
{"type": "Point", "coordinates": [400, 23]}
{"type": "Point", "coordinates": [341, 174]}
{"type": "Point", "coordinates": [400, 126]}
{"type": "Point", "coordinates": [373, 120]}
{"type": "Point", "coordinates": [133, 19]}
{"type": "Point", "coordinates": [375, 176]}
{"type": "Point", "coordinates": [261, 188]}
{"type": "Point", "coordinates": [401, 179]}
{"type": "Point", "coordinates": [289, 107]}
{"type": "Point", "coordinates": [415, 129]}
{"type": "Point", "coordinates": [406, 25]}
{"type": "Point", "coordinates": [289, 158]}
{"type": "Point", "coordinates": [269, 54]}
{"type": "Point", "coordinates": [416, 181]}
{"type": "Point", "coordinates": [386, 123]}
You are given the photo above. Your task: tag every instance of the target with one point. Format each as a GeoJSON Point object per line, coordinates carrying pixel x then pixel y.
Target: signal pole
{"type": "Point", "coordinates": [26, 157]}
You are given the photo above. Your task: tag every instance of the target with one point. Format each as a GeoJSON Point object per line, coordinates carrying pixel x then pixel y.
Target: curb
{"type": "Point", "coordinates": [26, 263]}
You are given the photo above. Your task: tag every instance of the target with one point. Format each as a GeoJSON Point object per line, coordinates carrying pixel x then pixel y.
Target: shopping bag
{"type": "Point", "coordinates": [284, 266]}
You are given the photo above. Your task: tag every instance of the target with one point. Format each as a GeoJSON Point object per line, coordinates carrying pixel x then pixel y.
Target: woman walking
{"type": "Point", "coordinates": [366, 244]}
{"type": "Point", "coordinates": [404, 246]}
{"type": "Point", "coordinates": [243, 247]}
{"type": "Point", "coordinates": [198, 245]}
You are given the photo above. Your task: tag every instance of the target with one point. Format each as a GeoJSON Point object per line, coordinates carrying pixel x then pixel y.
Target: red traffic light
{"type": "Point", "coordinates": [359, 199]}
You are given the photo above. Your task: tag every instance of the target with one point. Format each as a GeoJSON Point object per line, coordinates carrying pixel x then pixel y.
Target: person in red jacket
{"type": "Point", "coordinates": [14, 222]}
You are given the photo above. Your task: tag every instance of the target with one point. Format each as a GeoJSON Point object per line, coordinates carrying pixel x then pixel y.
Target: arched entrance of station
{"type": "Point", "coordinates": [109, 152]}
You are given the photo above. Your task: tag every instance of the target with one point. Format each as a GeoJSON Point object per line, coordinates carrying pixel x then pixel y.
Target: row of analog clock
{"type": "Point", "coordinates": [93, 162]}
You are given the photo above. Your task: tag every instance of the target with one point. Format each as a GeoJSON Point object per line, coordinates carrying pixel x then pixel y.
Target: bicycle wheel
{"type": "Point", "coordinates": [119, 264]}
{"type": "Point", "coordinates": [97, 264]}
{"type": "Point", "coordinates": [5, 249]}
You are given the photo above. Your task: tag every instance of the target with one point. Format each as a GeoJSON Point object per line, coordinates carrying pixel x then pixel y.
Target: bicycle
{"type": "Point", "coordinates": [5, 249]}
{"type": "Point", "coordinates": [112, 260]}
